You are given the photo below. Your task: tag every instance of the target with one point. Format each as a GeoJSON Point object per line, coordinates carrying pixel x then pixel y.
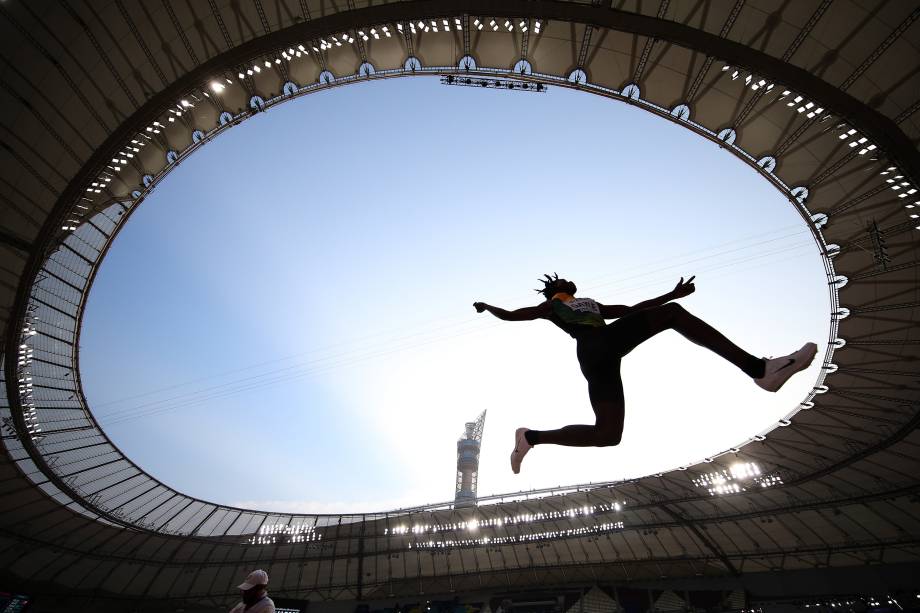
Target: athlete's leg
{"type": "Point", "coordinates": [607, 401]}
{"type": "Point", "coordinates": [634, 329]}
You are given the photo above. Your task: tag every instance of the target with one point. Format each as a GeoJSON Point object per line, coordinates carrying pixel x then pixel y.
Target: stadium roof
{"type": "Point", "coordinates": [101, 100]}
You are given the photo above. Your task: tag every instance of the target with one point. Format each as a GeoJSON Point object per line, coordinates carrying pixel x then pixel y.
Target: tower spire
{"type": "Point", "coordinates": [468, 462]}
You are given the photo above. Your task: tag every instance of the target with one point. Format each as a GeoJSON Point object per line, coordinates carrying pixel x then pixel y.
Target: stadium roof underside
{"type": "Point", "coordinates": [101, 100]}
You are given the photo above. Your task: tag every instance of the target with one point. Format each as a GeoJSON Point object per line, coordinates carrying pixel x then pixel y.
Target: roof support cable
{"type": "Point", "coordinates": [647, 50]}
{"type": "Point", "coordinates": [726, 28]}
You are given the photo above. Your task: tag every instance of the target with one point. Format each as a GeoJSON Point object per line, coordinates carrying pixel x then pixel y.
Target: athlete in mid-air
{"type": "Point", "coordinates": [602, 345]}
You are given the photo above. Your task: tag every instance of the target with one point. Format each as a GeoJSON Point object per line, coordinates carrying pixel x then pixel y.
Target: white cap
{"type": "Point", "coordinates": [256, 577]}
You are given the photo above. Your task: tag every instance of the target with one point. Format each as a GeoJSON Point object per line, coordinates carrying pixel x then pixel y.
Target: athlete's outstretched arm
{"type": "Point", "coordinates": [525, 314]}
{"type": "Point", "coordinates": [683, 288]}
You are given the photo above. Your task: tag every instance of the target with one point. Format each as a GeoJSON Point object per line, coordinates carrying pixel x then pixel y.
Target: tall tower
{"type": "Point", "coordinates": [468, 462]}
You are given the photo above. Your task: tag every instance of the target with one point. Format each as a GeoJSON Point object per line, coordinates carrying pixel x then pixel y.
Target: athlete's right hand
{"type": "Point", "coordinates": [684, 288]}
{"type": "Point", "coordinates": [479, 306]}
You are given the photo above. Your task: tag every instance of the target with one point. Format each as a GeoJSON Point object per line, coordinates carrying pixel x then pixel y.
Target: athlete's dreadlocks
{"type": "Point", "coordinates": [549, 286]}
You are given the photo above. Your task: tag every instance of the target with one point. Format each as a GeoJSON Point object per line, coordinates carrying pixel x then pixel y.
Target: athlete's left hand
{"type": "Point", "coordinates": [684, 288]}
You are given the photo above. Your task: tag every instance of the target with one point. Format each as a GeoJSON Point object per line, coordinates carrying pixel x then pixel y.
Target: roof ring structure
{"type": "Point", "coordinates": [727, 135]}
{"type": "Point", "coordinates": [800, 193]}
{"type": "Point", "coordinates": [681, 112]}
{"type": "Point", "coordinates": [522, 67]}
{"type": "Point", "coordinates": [256, 103]}
{"type": "Point", "coordinates": [839, 480]}
{"type": "Point", "coordinates": [578, 77]}
{"type": "Point", "coordinates": [139, 517]}
{"type": "Point", "coordinates": [768, 163]}
{"type": "Point", "coordinates": [632, 91]}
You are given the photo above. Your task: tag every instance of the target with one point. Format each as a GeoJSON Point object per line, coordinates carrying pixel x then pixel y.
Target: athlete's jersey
{"type": "Point", "coordinates": [575, 315]}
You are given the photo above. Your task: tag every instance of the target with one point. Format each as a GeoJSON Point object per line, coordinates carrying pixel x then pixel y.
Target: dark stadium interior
{"type": "Point", "coordinates": [820, 97]}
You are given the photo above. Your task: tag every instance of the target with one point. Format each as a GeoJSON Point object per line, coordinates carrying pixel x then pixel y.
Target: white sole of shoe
{"type": "Point", "coordinates": [521, 447]}
{"type": "Point", "coordinates": [801, 360]}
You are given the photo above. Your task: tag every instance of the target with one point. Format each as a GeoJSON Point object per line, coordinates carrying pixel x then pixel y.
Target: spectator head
{"type": "Point", "coordinates": [254, 586]}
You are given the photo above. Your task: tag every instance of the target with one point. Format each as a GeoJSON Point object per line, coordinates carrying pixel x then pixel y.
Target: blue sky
{"type": "Point", "coordinates": [286, 322]}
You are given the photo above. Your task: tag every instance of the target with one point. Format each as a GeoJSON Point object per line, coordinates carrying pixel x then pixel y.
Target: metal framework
{"type": "Point", "coordinates": [820, 97]}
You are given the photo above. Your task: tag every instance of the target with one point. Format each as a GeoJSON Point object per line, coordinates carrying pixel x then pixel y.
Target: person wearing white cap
{"type": "Point", "coordinates": [255, 594]}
